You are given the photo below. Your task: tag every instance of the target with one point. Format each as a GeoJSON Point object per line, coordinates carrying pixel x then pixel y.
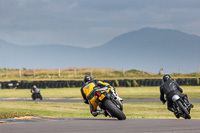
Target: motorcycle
{"type": "Point", "coordinates": [36, 95]}
{"type": "Point", "coordinates": [182, 107]}
{"type": "Point", "coordinates": [110, 104]}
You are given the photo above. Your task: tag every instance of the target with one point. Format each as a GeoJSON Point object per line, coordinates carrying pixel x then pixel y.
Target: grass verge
{"type": "Point", "coordinates": [132, 110]}
{"type": "Point", "coordinates": [11, 114]}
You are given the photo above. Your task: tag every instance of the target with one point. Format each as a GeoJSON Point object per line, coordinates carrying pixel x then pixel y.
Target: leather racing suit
{"type": "Point", "coordinates": [89, 97]}
{"type": "Point", "coordinates": [170, 88]}
{"type": "Point", "coordinates": [35, 90]}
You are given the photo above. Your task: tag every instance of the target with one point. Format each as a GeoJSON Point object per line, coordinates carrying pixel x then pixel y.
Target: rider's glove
{"type": "Point", "coordinates": [86, 101]}
{"type": "Point", "coordinates": [164, 101]}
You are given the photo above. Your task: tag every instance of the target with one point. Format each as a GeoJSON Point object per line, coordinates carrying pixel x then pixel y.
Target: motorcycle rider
{"type": "Point", "coordinates": [170, 88]}
{"type": "Point", "coordinates": [34, 89]}
{"type": "Point", "coordinates": [88, 95]}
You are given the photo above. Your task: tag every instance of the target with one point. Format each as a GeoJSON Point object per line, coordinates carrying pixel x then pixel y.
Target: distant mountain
{"type": "Point", "coordinates": [150, 48]}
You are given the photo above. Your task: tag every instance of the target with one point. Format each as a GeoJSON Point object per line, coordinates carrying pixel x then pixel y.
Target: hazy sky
{"type": "Point", "coordinates": [88, 23]}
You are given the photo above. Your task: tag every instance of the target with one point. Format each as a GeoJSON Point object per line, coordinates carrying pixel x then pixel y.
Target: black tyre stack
{"type": "Point", "coordinates": [74, 83]}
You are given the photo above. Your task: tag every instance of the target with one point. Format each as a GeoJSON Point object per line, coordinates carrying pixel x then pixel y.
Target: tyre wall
{"type": "Point", "coordinates": [73, 83]}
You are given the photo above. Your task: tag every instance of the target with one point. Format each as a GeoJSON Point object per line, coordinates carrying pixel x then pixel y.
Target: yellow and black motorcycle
{"type": "Point", "coordinates": [110, 104]}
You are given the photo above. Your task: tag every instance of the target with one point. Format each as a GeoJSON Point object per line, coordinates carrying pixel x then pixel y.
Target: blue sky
{"type": "Point", "coordinates": [88, 23]}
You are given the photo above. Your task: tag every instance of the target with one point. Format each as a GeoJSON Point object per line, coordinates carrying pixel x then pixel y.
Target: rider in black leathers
{"type": "Point", "coordinates": [171, 88]}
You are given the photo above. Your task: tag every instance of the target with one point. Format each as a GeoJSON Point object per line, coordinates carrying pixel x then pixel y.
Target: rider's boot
{"type": "Point", "coordinates": [171, 109]}
{"type": "Point", "coordinates": [98, 112]}
{"type": "Point", "coordinates": [176, 113]}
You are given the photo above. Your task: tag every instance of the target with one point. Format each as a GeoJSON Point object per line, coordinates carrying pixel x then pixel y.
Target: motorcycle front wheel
{"type": "Point", "coordinates": [33, 96]}
{"type": "Point", "coordinates": [40, 97]}
{"type": "Point", "coordinates": [184, 110]}
{"type": "Point", "coordinates": [113, 110]}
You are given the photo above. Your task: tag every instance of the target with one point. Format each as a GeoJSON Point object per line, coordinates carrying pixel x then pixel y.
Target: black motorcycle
{"type": "Point", "coordinates": [36, 95]}
{"type": "Point", "coordinates": [182, 107]}
{"type": "Point", "coordinates": [110, 104]}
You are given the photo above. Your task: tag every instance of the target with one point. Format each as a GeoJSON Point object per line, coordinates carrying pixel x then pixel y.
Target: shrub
{"type": "Point", "coordinates": [197, 81]}
{"type": "Point", "coordinates": [135, 84]}
{"type": "Point", "coordinates": [117, 83]}
{"type": "Point", "coordinates": [128, 83]}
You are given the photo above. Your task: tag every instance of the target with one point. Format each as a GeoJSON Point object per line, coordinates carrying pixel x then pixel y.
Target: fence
{"type": "Point", "coordinates": [73, 83]}
{"type": "Point", "coordinates": [79, 73]}
{"type": "Point", "coordinates": [59, 73]}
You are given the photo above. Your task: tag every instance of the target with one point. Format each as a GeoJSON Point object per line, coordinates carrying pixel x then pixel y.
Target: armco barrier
{"type": "Point", "coordinates": [73, 83]}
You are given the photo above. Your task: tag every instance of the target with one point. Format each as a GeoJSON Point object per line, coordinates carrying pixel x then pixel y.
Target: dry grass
{"type": "Point", "coordinates": [12, 114]}
{"type": "Point", "coordinates": [78, 74]}
{"type": "Point", "coordinates": [65, 74]}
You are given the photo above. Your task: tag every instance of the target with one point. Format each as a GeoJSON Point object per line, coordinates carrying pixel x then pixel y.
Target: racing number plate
{"type": "Point", "coordinates": [101, 97]}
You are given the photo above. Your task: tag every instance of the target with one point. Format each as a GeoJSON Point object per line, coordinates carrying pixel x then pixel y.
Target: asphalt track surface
{"type": "Point", "coordinates": [80, 100]}
{"type": "Point", "coordinates": [89, 125]}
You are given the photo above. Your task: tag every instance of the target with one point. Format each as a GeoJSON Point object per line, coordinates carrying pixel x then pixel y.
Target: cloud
{"type": "Point", "coordinates": [87, 22]}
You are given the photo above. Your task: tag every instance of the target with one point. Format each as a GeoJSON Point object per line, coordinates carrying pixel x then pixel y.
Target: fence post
{"type": "Point", "coordinates": [161, 70]}
{"type": "Point", "coordinates": [59, 72]}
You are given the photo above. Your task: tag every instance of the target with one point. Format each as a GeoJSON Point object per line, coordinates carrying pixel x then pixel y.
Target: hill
{"type": "Point", "coordinates": [150, 48]}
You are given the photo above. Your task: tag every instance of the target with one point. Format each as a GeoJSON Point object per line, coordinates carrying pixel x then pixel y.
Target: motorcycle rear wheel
{"type": "Point", "coordinates": [115, 112]}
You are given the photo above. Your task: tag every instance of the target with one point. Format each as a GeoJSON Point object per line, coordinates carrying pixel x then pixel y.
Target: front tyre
{"type": "Point", "coordinates": [184, 110]}
{"type": "Point", "coordinates": [113, 110]}
{"type": "Point", "coordinates": [33, 96]}
{"type": "Point", "coordinates": [40, 96]}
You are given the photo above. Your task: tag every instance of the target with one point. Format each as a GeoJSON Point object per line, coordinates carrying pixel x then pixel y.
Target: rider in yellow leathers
{"type": "Point", "coordinates": [89, 96]}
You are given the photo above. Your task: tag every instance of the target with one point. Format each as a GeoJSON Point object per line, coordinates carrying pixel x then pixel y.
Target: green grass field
{"type": "Point", "coordinates": [124, 92]}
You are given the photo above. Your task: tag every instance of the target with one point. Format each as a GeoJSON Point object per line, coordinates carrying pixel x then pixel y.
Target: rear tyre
{"type": "Point", "coordinates": [113, 110]}
{"type": "Point", "coordinates": [184, 110]}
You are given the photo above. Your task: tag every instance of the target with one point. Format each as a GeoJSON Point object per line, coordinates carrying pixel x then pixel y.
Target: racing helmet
{"type": "Point", "coordinates": [166, 77]}
{"type": "Point", "coordinates": [87, 78]}
{"type": "Point", "coordinates": [34, 86]}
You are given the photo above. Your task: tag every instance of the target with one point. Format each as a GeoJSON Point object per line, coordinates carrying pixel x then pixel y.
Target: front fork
{"type": "Point", "coordinates": [114, 93]}
{"type": "Point", "coordinates": [185, 103]}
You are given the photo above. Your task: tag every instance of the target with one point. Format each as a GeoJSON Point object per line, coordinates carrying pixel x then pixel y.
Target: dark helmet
{"type": "Point", "coordinates": [166, 77]}
{"type": "Point", "coordinates": [87, 78]}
